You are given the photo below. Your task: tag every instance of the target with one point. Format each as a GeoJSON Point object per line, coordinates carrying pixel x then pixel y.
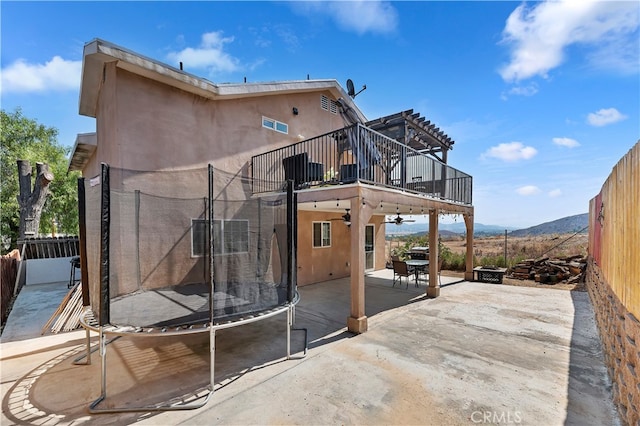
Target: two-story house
{"type": "Point", "coordinates": [349, 172]}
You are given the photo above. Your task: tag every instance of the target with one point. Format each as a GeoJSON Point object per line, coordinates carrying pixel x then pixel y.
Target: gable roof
{"type": "Point", "coordinates": [98, 52]}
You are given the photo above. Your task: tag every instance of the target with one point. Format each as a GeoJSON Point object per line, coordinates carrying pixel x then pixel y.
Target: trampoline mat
{"type": "Point", "coordinates": [189, 304]}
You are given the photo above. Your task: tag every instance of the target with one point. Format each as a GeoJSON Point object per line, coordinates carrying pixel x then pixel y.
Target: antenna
{"type": "Point", "coordinates": [351, 91]}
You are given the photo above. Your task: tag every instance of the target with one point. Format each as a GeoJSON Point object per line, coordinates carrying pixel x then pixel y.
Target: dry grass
{"type": "Point", "coordinates": [552, 246]}
{"type": "Point", "coordinates": [555, 246]}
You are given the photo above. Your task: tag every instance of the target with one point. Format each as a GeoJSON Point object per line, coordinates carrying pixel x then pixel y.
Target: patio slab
{"type": "Point", "coordinates": [479, 353]}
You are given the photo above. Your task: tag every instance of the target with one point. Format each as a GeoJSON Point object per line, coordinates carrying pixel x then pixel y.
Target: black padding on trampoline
{"type": "Point", "coordinates": [189, 304]}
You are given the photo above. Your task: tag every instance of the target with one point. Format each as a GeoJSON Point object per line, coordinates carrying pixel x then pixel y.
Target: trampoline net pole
{"type": "Point", "coordinates": [212, 331]}
{"type": "Point", "coordinates": [105, 224]}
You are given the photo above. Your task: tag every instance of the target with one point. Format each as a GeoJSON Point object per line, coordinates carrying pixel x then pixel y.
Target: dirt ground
{"type": "Point", "coordinates": [552, 246]}
{"type": "Point", "coordinates": [526, 283]}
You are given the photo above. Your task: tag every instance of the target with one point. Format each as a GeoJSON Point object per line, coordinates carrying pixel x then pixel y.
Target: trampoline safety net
{"type": "Point", "coordinates": [185, 247]}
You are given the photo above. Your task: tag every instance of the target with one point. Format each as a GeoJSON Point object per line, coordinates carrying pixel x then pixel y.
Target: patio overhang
{"type": "Point", "coordinates": [364, 201]}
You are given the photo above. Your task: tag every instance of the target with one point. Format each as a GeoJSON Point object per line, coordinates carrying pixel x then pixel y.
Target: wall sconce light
{"type": "Point", "coordinates": [295, 111]}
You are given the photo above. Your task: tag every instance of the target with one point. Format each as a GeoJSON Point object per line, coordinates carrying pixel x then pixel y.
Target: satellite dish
{"type": "Point", "coordinates": [351, 91]}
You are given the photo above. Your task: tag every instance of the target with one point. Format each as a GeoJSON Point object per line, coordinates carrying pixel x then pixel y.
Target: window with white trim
{"type": "Point", "coordinates": [328, 104]}
{"type": "Point", "coordinates": [272, 124]}
{"type": "Point", "coordinates": [321, 234]}
{"type": "Point", "coordinates": [229, 236]}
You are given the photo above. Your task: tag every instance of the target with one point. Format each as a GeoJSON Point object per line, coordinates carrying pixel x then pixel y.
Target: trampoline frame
{"type": "Point", "coordinates": [103, 327]}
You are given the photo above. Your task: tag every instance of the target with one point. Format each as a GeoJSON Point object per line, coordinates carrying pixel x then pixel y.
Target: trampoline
{"type": "Point", "coordinates": [180, 252]}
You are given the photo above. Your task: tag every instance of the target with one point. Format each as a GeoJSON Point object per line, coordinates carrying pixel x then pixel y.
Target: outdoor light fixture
{"type": "Point", "coordinates": [347, 218]}
{"type": "Point", "coordinates": [295, 111]}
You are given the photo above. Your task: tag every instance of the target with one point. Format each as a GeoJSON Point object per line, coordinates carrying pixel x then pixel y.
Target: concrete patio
{"type": "Point", "coordinates": [479, 353]}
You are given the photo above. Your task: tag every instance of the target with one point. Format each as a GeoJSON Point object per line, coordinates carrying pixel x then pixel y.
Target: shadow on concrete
{"type": "Point", "coordinates": [143, 371]}
{"type": "Point", "coordinates": [588, 383]}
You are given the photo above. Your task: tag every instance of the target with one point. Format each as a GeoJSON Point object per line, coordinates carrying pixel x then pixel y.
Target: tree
{"type": "Point", "coordinates": [22, 138]}
{"type": "Point", "coordinates": [31, 202]}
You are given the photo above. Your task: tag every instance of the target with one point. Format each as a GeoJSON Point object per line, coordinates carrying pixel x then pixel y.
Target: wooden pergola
{"type": "Point", "coordinates": [414, 131]}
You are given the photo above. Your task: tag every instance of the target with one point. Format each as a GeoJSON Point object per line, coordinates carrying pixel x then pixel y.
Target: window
{"type": "Point", "coordinates": [328, 104]}
{"type": "Point", "coordinates": [272, 124]}
{"type": "Point", "coordinates": [321, 234]}
{"type": "Point", "coordinates": [198, 237]}
{"type": "Point", "coordinates": [229, 236]}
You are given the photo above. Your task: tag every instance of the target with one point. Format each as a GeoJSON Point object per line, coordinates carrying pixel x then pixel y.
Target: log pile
{"type": "Point", "coordinates": [551, 271]}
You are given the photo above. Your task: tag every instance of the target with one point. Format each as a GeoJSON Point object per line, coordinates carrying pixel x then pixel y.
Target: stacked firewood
{"type": "Point", "coordinates": [550, 271]}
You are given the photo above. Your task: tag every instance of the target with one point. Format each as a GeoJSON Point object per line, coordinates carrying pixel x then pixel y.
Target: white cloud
{"type": "Point", "coordinates": [56, 75]}
{"type": "Point", "coordinates": [539, 35]}
{"type": "Point", "coordinates": [605, 116]}
{"type": "Point", "coordinates": [555, 193]}
{"type": "Point", "coordinates": [529, 90]}
{"type": "Point", "coordinates": [567, 142]}
{"type": "Point", "coordinates": [361, 16]}
{"type": "Point", "coordinates": [528, 190]}
{"type": "Point", "coordinates": [512, 151]}
{"type": "Point", "coordinates": [208, 55]}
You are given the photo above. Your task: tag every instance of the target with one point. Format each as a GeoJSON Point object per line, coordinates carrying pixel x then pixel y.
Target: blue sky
{"type": "Point", "coordinates": [541, 98]}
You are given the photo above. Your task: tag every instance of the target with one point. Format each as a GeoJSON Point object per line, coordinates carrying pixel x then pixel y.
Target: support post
{"type": "Point", "coordinates": [357, 321]}
{"type": "Point", "coordinates": [433, 290]}
{"type": "Point", "coordinates": [468, 221]}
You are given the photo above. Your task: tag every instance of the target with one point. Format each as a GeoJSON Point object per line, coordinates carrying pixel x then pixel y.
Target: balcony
{"type": "Point", "coordinates": [357, 153]}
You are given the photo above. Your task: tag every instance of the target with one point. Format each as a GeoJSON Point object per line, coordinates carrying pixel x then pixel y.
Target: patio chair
{"type": "Point", "coordinates": [75, 264]}
{"type": "Point", "coordinates": [425, 271]}
{"type": "Point", "coordinates": [301, 170]}
{"type": "Point", "coordinates": [400, 269]}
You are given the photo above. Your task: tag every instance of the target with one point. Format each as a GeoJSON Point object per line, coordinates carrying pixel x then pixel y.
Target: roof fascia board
{"type": "Point", "coordinates": [98, 52]}
{"type": "Point", "coordinates": [86, 143]}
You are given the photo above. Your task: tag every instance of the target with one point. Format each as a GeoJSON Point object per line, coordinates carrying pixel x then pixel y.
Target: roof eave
{"type": "Point", "coordinates": [99, 52]}
{"type": "Point", "coordinates": [83, 149]}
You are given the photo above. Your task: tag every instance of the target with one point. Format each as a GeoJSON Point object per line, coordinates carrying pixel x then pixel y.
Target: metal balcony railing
{"type": "Point", "coordinates": [357, 153]}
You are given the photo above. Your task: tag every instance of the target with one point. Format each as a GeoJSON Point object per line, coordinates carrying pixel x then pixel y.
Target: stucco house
{"type": "Point", "coordinates": [350, 172]}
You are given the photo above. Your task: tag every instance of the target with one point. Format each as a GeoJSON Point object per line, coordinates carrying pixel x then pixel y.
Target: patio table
{"type": "Point", "coordinates": [418, 265]}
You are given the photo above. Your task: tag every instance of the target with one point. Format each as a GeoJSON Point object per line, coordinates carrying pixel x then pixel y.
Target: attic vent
{"type": "Point", "coordinates": [328, 104]}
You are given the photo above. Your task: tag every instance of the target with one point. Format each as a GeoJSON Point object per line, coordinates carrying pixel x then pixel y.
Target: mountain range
{"type": "Point", "coordinates": [565, 225]}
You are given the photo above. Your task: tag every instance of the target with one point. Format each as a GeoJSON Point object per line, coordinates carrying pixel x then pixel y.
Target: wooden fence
{"type": "Point", "coordinates": [8, 272]}
{"type": "Point", "coordinates": [46, 248]}
{"type": "Point", "coordinates": [31, 248]}
{"type": "Point", "coordinates": [614, 234]}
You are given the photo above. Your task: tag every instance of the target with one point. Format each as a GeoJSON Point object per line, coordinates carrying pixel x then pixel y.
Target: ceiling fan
{"type": "Point", "coordinates": [398, 220]}
{"type": "Point", "coordinates": [346, 218]}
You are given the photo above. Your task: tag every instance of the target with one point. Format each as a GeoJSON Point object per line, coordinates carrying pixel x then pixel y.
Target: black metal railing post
{"type": "Point", "coordinates": [377, 159]}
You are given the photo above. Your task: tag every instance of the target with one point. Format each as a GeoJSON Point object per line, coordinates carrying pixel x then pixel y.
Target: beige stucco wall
{"type": "Point", "coordinates": [146, 125]}
{"type": "Point", "coordinates": [142, 124]}
{"type": "Point", "coordinates": [316, 264]}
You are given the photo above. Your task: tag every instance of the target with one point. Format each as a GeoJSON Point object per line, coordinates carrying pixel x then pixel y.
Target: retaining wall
{"type": "Point", "coordinates": [620, 336]}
